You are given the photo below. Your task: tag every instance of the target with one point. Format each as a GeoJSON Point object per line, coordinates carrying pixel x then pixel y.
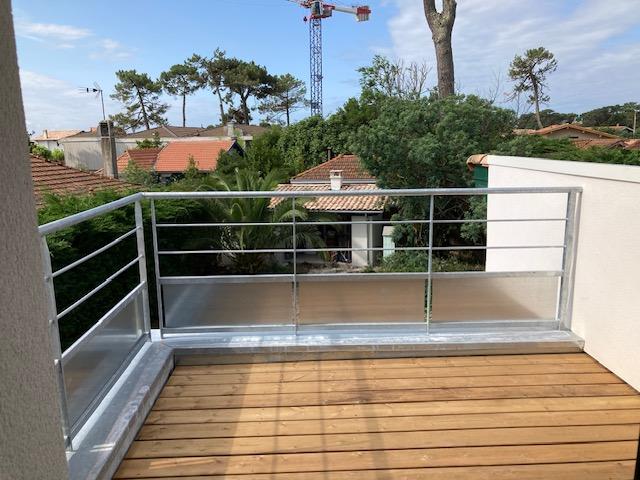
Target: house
{"type": "Point", "coordinates": [571, 131]}
{"type": "Point", "coordinates": [174, 157]}
{"type": "Point", "coordinates": [344, 173]}
{"type": "Point", "coordinates": [83, 150]}
{"type": "Point", "coordinates": [51, 138]}
{"type": "Point", "coordinates": [51, 177]}
{"type": "Point", "coordinates": [144, 158]}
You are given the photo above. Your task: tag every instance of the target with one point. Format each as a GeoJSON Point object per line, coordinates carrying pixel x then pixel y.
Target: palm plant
{"type": "Point", "coordinates": [258, 211]}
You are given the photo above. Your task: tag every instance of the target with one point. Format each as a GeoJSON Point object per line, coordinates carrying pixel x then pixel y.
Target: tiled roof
{"type": "Point", "coordinates": [352, 170]}
{"type": "Point", "coordinates": [145, 158]}
{"type": "Point", "coordinates": [93, 133]}
{"type": "Point", "coordinates": [572, 126]}
{"type": "Point", "coordinates": [351, 203]}
{"type": "Point", "coordinates": [599, 142]}
{"type": "Point", "coordinates": [174, 157]}
{"type": "Point", "coordinates": [55, 134]}
{"type": "Point", "coordinates": [169, 131]}
{"type": "Point", "coordinates": [49, 177]}
{"type": "Point", "coordinates": [243, 130]}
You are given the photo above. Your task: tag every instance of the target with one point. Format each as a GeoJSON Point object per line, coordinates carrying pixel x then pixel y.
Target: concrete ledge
{"type": "Point", "coordinates": [191, 350]}
{"type": "Point", "coordinates": [102, 443]}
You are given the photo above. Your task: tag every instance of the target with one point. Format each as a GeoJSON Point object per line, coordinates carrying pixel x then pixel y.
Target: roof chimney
{"type": "Point", "coordinates": [108, 148]}
{"type": "Point", "coordinates": [45, 134]}
{"type": "Point", "coordinates": [336, 179]}
{"type": "Point", "coordinates": [231, 129]}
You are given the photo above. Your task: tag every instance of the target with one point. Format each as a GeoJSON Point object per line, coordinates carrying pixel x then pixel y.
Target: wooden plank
{"type": "Point", "coordinates": [388, 384]}
{"type": "Point", "coordinates": [388, 424]}
{"type": "Point", "coordinates": [261, 414]}
{"type": "Point", "coordinates": [311, 365]}
{"type": "Point", "coordinates": [558, 471]}
{"type": "Point", "coordinates": [381, 373]}
{"type": "Point", "coordinates": [348, 442]}
{"type": "Point", "coordinates": [371, 460]}
{"type": "Point", "coordinates": [390, 396]}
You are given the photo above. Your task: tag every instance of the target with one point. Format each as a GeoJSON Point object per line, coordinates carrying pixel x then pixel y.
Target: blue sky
{"type": "Point", "coordinates": [70, 44]}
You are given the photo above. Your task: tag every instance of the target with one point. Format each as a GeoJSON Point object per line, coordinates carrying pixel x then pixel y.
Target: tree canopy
{"type": "Point", "coordinates": [140, 96]}
{"type": "Point", "coordinates": [181, 80]}
{"type": "Point", "coordinates": [285, 96]}
{"type": "Point", "coordinates": [529, 72]}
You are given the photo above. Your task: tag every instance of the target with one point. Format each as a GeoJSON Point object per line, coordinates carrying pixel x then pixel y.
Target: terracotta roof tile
{"type": "Point", "coordinates": [49, 177]}
{"type": "Point", "coordinates": [352, 170]}
{"type": "Point", "coordinates": [145, 158]}
{"type": "Point", "coordinates": [174, 157]}
{"type": "Point", "coordinates": [572, 126]}
{"type": "Point", "coordinates": [351, 203]}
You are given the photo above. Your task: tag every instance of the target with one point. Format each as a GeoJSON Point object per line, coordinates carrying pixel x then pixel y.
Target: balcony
{"type": "Point", "coordinates": [463, 366]}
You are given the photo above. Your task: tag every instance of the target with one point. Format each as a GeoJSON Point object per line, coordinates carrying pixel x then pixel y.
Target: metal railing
{"type": "Point", "coordinates": [295, 301]}
{"type": "Point", "coordinates": [88, 368]}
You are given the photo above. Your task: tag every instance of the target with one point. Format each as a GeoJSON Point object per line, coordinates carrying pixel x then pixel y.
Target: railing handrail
{"type": "Point", "coordinates": [80, 217]}
{"type": "Point", "coordinates": [71, 220]}
{"type": "Point", "coordinates": [404, 192]}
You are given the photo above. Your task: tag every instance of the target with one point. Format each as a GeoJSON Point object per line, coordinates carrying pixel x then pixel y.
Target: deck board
{"type": "Point", "coordinates": [559, 416]}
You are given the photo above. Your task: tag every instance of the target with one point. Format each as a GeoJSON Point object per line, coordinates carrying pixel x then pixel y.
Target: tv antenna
{"type": "Point", "coordinates": [98, 91]}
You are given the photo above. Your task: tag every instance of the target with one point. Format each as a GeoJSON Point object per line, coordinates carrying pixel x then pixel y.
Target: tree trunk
{"type": "Point", "coordinates": [221, 105]}
{"type": "Point", "coordinates": [245, 108]}
{"type": "Point", "coordinates": [287, 110]}
{"type": "Point", "coordinates": [441, 25]}
{"type": "Point", "coordinates": [184, 109]}
{"type": "Point", "coordinates": [145, 118]}
{"type": "Point", "coordinates": [536, 102]}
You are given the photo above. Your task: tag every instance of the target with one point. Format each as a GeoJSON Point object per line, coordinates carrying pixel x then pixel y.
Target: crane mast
{"type": "Point", "coordinates": [319, 10]}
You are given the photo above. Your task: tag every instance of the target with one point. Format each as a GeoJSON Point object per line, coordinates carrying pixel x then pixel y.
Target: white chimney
{"type": "Point", "coordinates": [231, 129]}
{"type": "Point", "coordinates": [45, 134]}
{"type": "Point", "coordinates": [336, 179]}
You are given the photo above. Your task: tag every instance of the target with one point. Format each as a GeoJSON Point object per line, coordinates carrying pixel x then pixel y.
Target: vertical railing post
{"type": "Point", "coordinates": [430, 262]}
{"type": "Point", "coordinates": [294, 242]}
{"type": "Point", "coordinates": [565, 296]}
{"type": "Point", "coordinates": [54, 333]}
{"type": "Point", "coordinates": [142, 267]}
{"type": "Point", "coordinates": [156, 267]}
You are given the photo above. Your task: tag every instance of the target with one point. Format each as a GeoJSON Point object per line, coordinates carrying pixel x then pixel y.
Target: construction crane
{"type": "Point", "coordinates": [319, 10]}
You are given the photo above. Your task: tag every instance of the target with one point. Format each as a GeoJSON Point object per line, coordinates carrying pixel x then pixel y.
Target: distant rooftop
{"type": "Point", "coordinates": [54, 135]}
{"type": "Point", "coordinates": [145, 158]}
{"type": "Point", "coordinates": [350, 165]}
{"type": "Point", "coordinates": [174, 157]}
{"type": "Point", "coordinates": [50, 177]}
{"type": "Point", "coordinates": [565, 126]}
{"type": "Point", "coordinates": [167, 131]}
{"type": "Point", "coordinates": [240, 130]}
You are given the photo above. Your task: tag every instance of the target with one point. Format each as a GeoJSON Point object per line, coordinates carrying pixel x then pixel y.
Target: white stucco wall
{"type": "Point", "coordinates": [365, 236]}
{"type": "Point", "coordinates": [606, 310]}
{"type": "Point", "coordinates": [31, 444]}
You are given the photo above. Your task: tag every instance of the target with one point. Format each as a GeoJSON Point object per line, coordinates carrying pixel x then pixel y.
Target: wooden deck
{"type": "Point", "coordinates": [559, 416]}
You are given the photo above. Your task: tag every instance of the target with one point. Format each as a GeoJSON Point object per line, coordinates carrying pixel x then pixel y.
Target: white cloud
{"type": "Point", "coordinates": [51, 31]}
{"type": "Point", "coordinates": [597, 64]}
{"type": "Point", "coordinates": [110, 49]}
{"type": "Point", "coordinates": [55, 104]}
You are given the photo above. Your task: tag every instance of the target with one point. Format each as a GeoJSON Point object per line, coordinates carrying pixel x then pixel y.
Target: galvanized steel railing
{"type": "Point", "coordinates": [285, 301]}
